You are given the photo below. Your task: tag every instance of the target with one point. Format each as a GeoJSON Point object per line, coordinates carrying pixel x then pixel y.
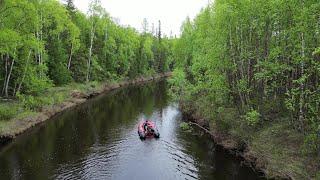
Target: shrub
{"type": "Point", "coordinates": [310, 143]}
{"type": "Point", "coordinates": [59, 98]}
{"type": "Point", "coordinates": [184, 126]}
{"type": "Point", "coordinates": [33, 102]}
{"type": "Point", "coordinates": [178, 79]}
{"type": "Point", "coordinates": [225, 119]}
{"type": "Point", "coordinates": [252, 117]}
{"type": "Point", "coordinates": [7, 112]}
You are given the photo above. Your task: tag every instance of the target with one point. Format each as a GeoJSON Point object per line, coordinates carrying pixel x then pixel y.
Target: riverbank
{"type": "Point", "coordinates": [275, 150]}
{"type": "Point", "coordinates": [19, 119]}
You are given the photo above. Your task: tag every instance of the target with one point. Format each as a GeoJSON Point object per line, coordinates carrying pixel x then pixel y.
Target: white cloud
{"type": "Point", "coordinates": [131, 12]}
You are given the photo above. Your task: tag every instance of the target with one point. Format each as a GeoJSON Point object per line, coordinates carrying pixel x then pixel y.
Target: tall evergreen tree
{"type": "Point", "coordinates": [70, 6]}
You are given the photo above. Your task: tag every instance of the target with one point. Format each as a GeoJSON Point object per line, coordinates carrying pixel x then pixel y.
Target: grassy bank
{"type": "Point", "coordinates": [14, 110]}
{"type": "Point", "coordinates": [274, 148]}
{"type": "Point", "coordinates": [18, 115]}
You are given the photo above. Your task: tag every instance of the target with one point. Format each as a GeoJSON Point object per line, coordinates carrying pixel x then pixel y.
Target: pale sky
{"type": "Point", "coordinates": [132, 12]}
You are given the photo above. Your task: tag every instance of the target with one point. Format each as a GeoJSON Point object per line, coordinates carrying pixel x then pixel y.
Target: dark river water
{"type": "Point", "coordinates": [99, 140]}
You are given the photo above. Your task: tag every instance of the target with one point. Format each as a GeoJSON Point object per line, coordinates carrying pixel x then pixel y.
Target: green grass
{"type": "Point", "coordinates": [8, 110]}
{"type": "Point", "coordinates": [281, 149]}
{"type": "Point", "coordinates": [6, 127]}
{"type": "Point", "coordinates": [278, 147]}
{"type": "Point", "coordinates": [26, 105]}
{"type": "Point", "coordinates": [23, 106]}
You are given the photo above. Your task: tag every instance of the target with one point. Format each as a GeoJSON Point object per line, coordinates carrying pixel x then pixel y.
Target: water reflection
{"type": "Point", "coordinates": [99, 140]}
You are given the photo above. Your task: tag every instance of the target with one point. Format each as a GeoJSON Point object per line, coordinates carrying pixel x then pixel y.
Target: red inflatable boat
{"type": "Point", "coordinates": [147, 129]}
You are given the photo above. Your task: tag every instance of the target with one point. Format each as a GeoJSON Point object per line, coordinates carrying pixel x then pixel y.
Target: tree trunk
{"type": "Point", "coordinates": [6, 94]}
{"type": "Point", "coordinates": [6, 73]}
{"type": "Point", "coordinates": [70, 57]}
{"type": "Point", "coordinates": [24, 72]}
{"type": "Point", "coordinates": [39, 36]}
{"type": "Point", "coordinates": [235, 64]}
{"type": "Point", "coordinates": [301, 101]}
{"type": "Point", "coordinates": [90, 53]}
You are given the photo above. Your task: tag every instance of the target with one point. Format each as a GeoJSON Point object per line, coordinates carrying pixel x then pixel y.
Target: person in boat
{"type": "Point", "coordinates": [145, 126]}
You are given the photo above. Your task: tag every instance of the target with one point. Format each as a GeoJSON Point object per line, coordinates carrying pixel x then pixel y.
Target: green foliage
{"type": "Point", "coordinates": [8, 111]}
{"type": "Point", "coordinates": [252, 117]}
{"type": "Point", "coordinates": [262, 54]}
{"type": "Point", "coordinates": [311, 143]}
{"type": "Point", "coordinates": [58, 71]}
{"type": "Point", "coordinates": [34, 103]}
{"type": "Point", "coordinates": [177, 82]}
{"type": "Point", "coordinates": [46, 43]}
{"type": "Point", "coordinates": [33, 84]}
{"type": "Point", "coordinates": [185, 127]}
{"type": "Point", "coordinates": [225, 119]}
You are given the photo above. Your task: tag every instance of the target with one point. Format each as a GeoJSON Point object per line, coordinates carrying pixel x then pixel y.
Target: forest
{"type": "Point", "coordinates": [46, 44]}
{"type": "Point", "coordinates": [252, 67]}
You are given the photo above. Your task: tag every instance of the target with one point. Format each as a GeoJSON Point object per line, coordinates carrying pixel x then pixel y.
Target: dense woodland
{"type": "Point", "coordinates": [245, 65]}
{"type": "Point", "coordinates": [44, 43]}
{"type": "Point", "coordinates": [261, 57]}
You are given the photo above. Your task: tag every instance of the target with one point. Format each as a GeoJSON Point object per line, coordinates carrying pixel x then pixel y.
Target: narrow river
{"type": "Point", "coordinates": [99, 140]}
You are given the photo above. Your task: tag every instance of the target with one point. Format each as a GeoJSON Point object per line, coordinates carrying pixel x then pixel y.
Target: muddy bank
{"type": "Point", "coordinates": [239, 148]}
{"type": "Point", "coordinates": [19, 126]}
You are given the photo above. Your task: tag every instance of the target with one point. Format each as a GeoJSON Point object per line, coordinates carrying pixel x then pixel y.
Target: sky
{"type": "Point", "coordinates": [171, 13]}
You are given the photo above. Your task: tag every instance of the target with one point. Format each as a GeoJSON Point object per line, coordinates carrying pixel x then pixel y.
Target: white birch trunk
{"type": "Point", "coordinates": [301, 101]}
{"type": "Point", "coordinates": [70, 57]}
{"type": "Point", "coordinates": [90, 52]}
{"type": "Point", "coordinates": [8, 79]}
{"type": "Point", "coordinates": [24, 72]}
{"type": "Point", "coordinates": [235, 64]}
{"type": "Point", "coordinates": [6, 74]}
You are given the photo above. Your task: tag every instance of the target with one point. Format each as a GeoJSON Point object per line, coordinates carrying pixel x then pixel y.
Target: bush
{"type": "Point", "coordinates": [178, 83]}
{"type": "Point", "coordinates": [59, 98]}
{"type": "Point", "coordinates": [7, 112]}
{"type": "Point", "coordinates": [33, 102]}
{"type": "Point", "coordinates": [310, 143]}
{"type": "Point", "coordinates": [33, 85]}
{"type": "Point", "coordinates": [94, 84]}
{"type": "Point", "coordinates": [226, 119]}
{"type": "Point", "coordinates": [185, 126]}
{"type": "Point", "coordinates": [252, 117]}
